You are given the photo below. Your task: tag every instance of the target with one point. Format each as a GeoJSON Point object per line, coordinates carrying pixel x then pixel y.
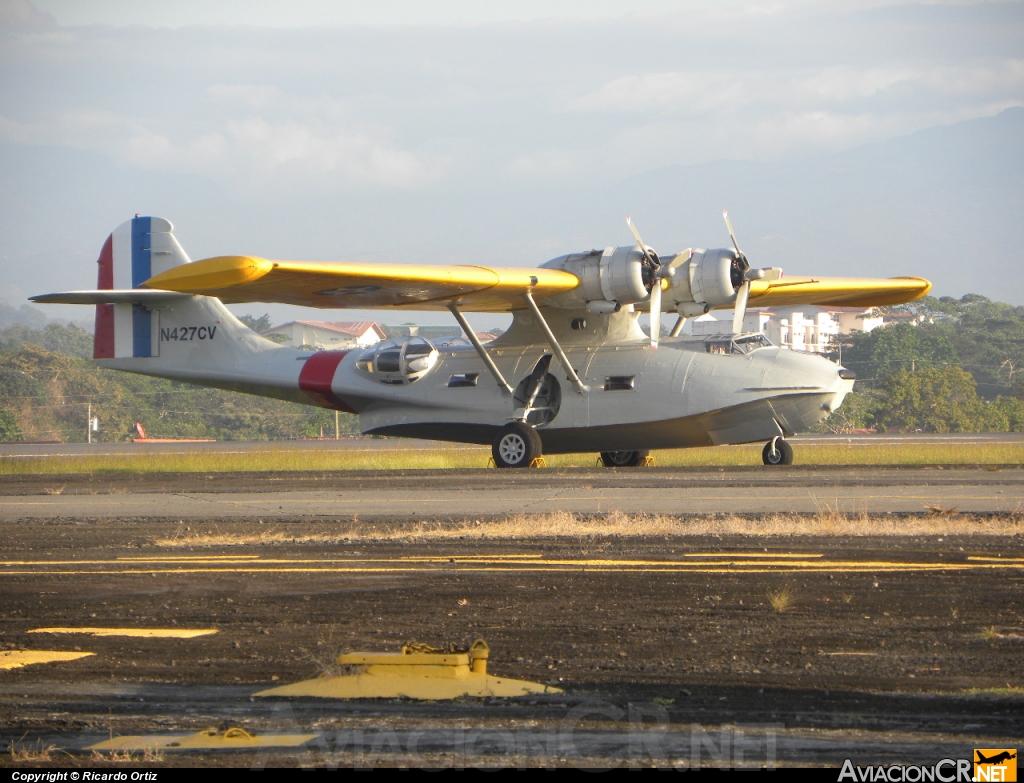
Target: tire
{"type": "Point", "coordinates": [515, 446]}
{"type": "Point", "coordinates": [623, 459]}
{"type": "Point", "coordinates": [783, 453]}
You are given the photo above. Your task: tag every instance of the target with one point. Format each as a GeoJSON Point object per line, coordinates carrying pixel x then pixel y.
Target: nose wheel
{"type": "Point", "coordinates": [516, 446]}
{"type": "Point", "coordinates": [777, 452]}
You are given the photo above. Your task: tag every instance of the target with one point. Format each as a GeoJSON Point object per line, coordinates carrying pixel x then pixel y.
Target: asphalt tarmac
{"type": "Point", "coordinates": [668, 649]}
{"type": "Point", "coordinates": [491, 493]}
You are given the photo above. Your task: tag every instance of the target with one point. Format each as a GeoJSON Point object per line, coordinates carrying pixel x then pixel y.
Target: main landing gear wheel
{"type": "Point", "coordinates": [777, 452]}
{"type": "Point", "coordinates": [516, 446]}
{"type": "Point", "coordinates": [623, 459]}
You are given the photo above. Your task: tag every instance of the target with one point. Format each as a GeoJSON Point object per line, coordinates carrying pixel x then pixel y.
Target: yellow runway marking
{"type": "Point", "coordinates": [691, 562]}
{"type": "Point", "coordinates": [187, 558]}
{"type": "Point", "coordinates": [15, 659]}
{"type": "Point", "coordinates": [575, 568]}
{"type": "Point", "coordinates": [756, 555]}
{"type": "Point", "coordinates": [147, 633]}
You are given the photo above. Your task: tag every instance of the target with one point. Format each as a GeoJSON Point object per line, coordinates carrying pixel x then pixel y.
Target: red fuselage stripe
{"type": "Point", "coordinates": [103, 338]}
{"type": "Point", "coordinates": [316, 376]}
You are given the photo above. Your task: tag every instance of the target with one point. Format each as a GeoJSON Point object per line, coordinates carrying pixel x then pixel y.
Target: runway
{"type": "Point", "coordinates": [491, 493]}
{"type": "Point", "coordinates": [376, 445]}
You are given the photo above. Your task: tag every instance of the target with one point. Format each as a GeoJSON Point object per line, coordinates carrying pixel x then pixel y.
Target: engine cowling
{"type": "Point", "coordinates": [609, 278]}
{"type": "Point", "coordinates": [709, 279]}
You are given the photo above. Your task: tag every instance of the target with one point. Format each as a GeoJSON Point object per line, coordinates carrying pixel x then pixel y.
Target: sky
{"type": "Point", "coordinates": [501, 132]}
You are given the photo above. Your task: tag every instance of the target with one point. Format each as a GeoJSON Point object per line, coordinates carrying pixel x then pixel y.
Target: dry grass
{"type": "Point", "coordinates": [615, 524]}
{"type": "Point", "coordinates": [29, 754]}
{"type": "Point", "coordinates": [288, 458]}
{"type": "Point", "coordinates": [148, 755]}
{"type": "Point", "coordinates": [781, 599]}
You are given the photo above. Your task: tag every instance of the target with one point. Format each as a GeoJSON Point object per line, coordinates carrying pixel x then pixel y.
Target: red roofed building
{"type": "Point", "coordinates": [326, 335]}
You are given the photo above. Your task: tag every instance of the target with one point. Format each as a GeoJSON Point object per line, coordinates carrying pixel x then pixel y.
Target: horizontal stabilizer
{"type": "Point", "coordinates": [112, 296]}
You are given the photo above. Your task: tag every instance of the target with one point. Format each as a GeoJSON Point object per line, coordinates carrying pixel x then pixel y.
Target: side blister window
{"type": "Point", "coordinates": [400, 361]}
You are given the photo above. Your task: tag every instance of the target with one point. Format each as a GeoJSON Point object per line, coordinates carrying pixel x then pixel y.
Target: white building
{"type": "Point", "coordinates": [327, 335]}
{"type": "Point", "coordinates": [809, 328]}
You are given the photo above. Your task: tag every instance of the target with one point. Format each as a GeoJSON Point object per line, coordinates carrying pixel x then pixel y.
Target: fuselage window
{"type": "Point", "coordinates": [619, 382]}
{"type": "Point", "coordinates": [462, 380]}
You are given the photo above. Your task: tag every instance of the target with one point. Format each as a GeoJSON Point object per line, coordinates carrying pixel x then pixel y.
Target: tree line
{"type": "Point", "coordinates": [960, 369]}
{"type": "Point", "coordinates": [48, 382]}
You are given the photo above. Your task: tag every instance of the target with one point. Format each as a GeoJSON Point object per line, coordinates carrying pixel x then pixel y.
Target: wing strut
{"type": "Point", "coordinates": [571, 375]}
{"type": "Point", "coordinates": [678, 328]}
{"type": "Point", "coordinates": [480, 348]}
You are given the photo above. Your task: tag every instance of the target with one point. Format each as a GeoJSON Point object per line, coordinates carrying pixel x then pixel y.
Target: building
{"type": "Point", "coordinates": [809, 328]}
{"type": "Point", "coordinates": [326, 335]}
{"type": "Point", "coordinates": [437, 334]}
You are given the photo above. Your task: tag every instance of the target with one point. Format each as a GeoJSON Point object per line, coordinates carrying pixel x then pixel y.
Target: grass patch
{"type": "Point", "coordinates": [30, 754]}
{"type": "Point", "coordinates": [1009, 690]}
{"type": "Point", "coordinates": [289, 458]}
{"type": "Point", "coordinates": [611, 525]}
{"type": "Point", "coordinates": [781, 599]}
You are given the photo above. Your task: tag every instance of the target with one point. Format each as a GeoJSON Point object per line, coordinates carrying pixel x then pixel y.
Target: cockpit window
{"type": "Point", "coordinates": [744, 343]}
{"type": "Point", "coordinates": [399, 361]}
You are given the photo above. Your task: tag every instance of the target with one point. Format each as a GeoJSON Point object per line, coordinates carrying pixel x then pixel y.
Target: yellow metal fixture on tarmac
{"type": "Point", "coordinates": [232, 739]}
{"type": "Point", "coordinates": [417, 672]}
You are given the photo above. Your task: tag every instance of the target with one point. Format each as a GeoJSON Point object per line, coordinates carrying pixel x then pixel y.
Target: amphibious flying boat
{"type": "Point", "coordinates": [574, 372]}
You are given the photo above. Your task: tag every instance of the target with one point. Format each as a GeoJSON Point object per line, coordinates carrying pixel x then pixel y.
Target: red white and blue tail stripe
{"type": "Point", "coordinates": [136, 250]}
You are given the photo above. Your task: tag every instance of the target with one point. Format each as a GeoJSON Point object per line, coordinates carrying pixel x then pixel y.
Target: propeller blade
{"type": "Point", "coordinates": [636, 234]}
{"type": "Point", "coordinates": [655, 313]}
{"type": "Point", "coordinates": [679, 260]}
{"type": "Point", "coordinates": [741, 307]}
{"type": "Point", "coordinates": [732, 234]}
{"type": "Point", "coordinates": [640, 241]}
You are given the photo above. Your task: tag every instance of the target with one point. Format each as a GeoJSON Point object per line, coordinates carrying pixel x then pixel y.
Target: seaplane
{"type": "Point", "coordinates": [574, 372]}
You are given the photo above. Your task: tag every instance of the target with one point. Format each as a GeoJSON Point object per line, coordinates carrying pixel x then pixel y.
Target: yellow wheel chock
{"type": "Point", "coordinates": [416, 672]}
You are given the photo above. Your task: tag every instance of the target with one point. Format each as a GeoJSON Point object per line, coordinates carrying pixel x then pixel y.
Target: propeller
{"type": "Point", "coordinates": [745, 274]}
{"type": "Point", "coordinates": [659, 271]}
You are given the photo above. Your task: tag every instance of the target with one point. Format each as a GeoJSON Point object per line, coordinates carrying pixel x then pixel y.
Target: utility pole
{"type": "Point", "coordinates": [88, 425]}
{"type": "Point", "coordinates": [337, 431]}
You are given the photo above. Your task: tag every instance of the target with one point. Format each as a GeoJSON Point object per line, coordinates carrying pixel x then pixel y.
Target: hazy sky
{"type": "Point", "coordinates": [433, 131]}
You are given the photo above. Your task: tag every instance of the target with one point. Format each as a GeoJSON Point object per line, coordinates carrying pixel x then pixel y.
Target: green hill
{"type": "Point", "coordinates": [47, 385]}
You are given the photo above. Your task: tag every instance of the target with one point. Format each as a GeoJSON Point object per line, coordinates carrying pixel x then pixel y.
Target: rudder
{"type": "Point", "coordinates": [135, 251]}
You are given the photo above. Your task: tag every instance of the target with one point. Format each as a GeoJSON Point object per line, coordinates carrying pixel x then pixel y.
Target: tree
{"type": "Point", "coordinates": [258, 325]}
{"type": "Point", "coordinates": [9, 429]}
{"type": "Point", "coordinates": [1012, 409]}
{"type": "Point", "coordinates": [938, 399]}
{"type": "Point", "coordinates": [857, 412]}
{"type": "Point", "coordinates": [887, 349]}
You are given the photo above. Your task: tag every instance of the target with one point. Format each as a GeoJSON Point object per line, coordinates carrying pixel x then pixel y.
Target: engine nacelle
{"type": "Point", "coordinates": [709, 279]}
{"type": "Point", "coordinates": [610, 278]}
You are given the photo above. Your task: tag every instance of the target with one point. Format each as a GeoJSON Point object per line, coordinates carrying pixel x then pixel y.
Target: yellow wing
{"type": "Point", "coordinates": [236, 279]}
{"type": "Point", "coordinates": [837, 291]}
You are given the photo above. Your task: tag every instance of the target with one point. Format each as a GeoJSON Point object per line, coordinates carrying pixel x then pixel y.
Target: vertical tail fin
{"type": "Point", "coordinates": [135, 251]}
